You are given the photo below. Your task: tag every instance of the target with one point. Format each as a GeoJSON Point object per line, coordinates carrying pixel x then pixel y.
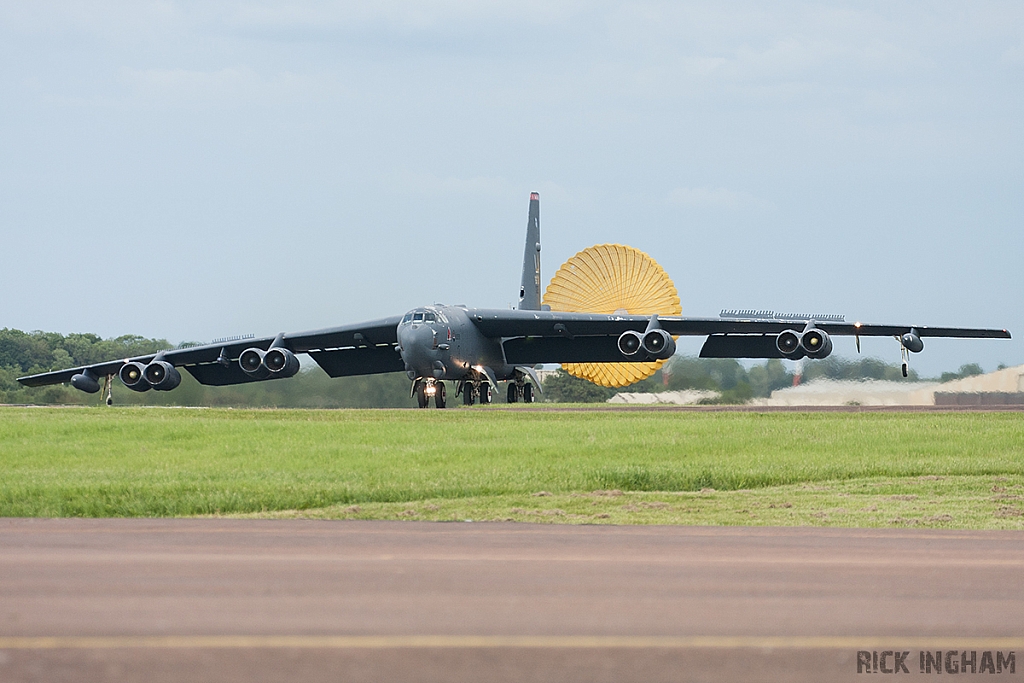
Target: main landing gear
{"type": "Point", "coordinates": [520, 390]}
{"type": "Point", "coordinates": [473, 391]}
{"type": "Point", "coordinates": [425, 389]}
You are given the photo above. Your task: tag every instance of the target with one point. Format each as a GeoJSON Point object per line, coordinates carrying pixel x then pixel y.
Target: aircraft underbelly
{"type": "Point", "coordinates": [473, 350]}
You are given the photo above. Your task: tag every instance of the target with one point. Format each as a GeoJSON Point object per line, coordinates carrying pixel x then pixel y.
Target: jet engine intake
{"type": "Point", "coordinates": [280, 362]}
{"type": "Point", "coordinates": [816, 343]}
{"type": "Point", "coordinates": [630, 343]}
{"type": "Point", "coordinates": [911, 342]}
{"type": "Point", "coordinates": [132, 374]}
{"type": "Point", "coordinates": [658, 344]}
{"type": "Point", "coordinates": [788, 344]}
{"type": "Point", "coordinates": [161, 375]}
{"type": "Point", "coordinates": [251, 362]}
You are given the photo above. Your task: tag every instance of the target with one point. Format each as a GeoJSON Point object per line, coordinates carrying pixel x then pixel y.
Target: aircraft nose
{"type": "Point", "coordinates": [418, 349]}
{"type": "Point", "coordinates": [420, 336]}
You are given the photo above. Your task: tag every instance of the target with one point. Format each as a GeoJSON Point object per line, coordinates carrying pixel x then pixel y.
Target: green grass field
{"type": "Point", "coordinates": [962, 470]}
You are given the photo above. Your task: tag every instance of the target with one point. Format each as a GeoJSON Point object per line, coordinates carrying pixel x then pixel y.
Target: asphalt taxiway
{"type": "Point", "coordinates": [253, 600]}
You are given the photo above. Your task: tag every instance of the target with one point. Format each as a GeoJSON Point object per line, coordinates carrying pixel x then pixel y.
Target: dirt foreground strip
{"type": "Point", "coordinates": [226, 600]}
{"type": "Point", "coordinates": [938, 502]}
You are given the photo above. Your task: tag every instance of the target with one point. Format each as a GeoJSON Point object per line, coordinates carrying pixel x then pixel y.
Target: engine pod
{"type": "Point", "coordinates": [630, 343]}
{"type": "Point", "coordinates": [658, 344]}
{"type": "Point", "coordinates": [162, 376]}
{"type": "Point", "coordinates": [280, 362]}
{"type": "Point", "coordinates": [132, 376]}
{"type": "Point", "coordinates": [251, 362]}
{"type": "Point", "coordinates": [816, 343]}
{"type": "Point", "coordinates": [788, 344]}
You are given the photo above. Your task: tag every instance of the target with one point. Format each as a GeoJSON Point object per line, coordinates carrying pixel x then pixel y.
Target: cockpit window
{"type": "Point", "coordinates": [407, 318]}
{"type": "Point", "coordinates": [428, 317]}
{"type": "Point", "coordinates": [417, 317]}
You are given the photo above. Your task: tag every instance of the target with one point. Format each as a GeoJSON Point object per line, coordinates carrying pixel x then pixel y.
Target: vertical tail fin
{"type": "Point", "coordinates": [529, 290]}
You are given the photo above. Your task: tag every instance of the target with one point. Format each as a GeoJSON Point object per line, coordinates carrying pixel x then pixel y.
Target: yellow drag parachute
{"type": "Point", "coordinates": [612, 278]}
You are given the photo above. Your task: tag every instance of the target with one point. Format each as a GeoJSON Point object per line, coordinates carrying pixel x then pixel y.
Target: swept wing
{"type": "Point", "coordinates": [366, 348]}
{"type": "Point", "coordinates": [555, 337]}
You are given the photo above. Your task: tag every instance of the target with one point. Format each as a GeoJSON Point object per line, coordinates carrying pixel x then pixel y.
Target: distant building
{"type": "Point", "coordinates": [1002, 387]}
{"type": "Point", "coordinates": [545, 372]}
{"type": "Point", "coordinates": [870, 392]}
{"type": "Point", "coordinates": [687, 397]}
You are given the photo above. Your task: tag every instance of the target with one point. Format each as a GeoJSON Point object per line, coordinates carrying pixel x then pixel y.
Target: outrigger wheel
{"type": "Point", "coordinates": [612, 278]}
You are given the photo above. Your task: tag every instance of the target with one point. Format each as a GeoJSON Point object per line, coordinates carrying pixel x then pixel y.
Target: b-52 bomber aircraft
{"type": "Point", "coordinates": [476, 348]}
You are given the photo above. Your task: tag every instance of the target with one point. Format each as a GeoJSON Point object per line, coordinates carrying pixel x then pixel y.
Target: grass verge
{"type": "Point", "coordinates": [480, 464]}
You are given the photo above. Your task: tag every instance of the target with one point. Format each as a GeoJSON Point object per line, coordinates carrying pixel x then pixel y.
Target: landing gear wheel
{"type": "Point", "coordinates": [439, 395]}
{"type": "Point", "coordinates": [467, 394]}
{"type": "Point", "coordinates": [527, 393]}
{"type": "Point", "coordinates": [485, 393]}
{"type": "Point", "coordinates": [906, 369]}
{"type": "Point", "coordinates": [513, 392]}
{"type": "Point", "coordinates": [421, 394]}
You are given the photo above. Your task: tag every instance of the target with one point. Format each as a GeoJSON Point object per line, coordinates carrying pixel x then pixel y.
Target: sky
{"type": "Point", "coordinates": [195, 170]}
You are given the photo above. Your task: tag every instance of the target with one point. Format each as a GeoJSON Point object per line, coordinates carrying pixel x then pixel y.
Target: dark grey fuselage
{"type": "Point", "coordinates": [441, 342]}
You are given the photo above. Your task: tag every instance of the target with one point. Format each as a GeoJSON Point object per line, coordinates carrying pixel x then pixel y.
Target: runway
{"type": "Point", "coordinates": [262, 600]}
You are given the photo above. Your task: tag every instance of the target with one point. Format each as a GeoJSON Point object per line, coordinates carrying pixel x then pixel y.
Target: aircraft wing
{"type": "Point", "coordinates": [365, 348]}
{"type": "Point", "coordinates": [556, 337]}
